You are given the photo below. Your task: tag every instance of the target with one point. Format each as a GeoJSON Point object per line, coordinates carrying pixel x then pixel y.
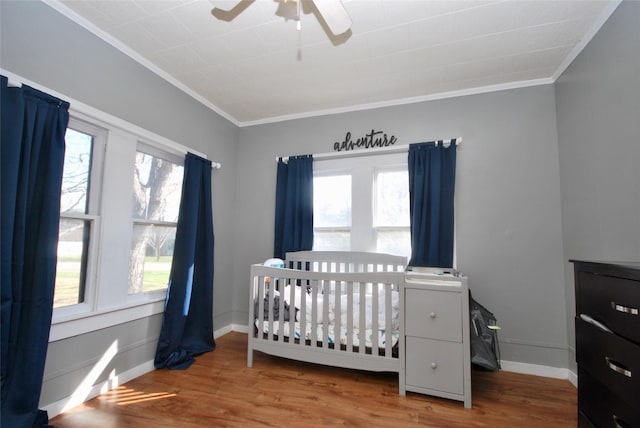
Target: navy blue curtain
{"type": "Point", "coordinates": [33, 126]}
{"type": "Point", "coordinates": [187, 325]}
{"type": "Point", "coordinates": [294, 206]}
{"type": "Point", "coordinates": [432, 173]}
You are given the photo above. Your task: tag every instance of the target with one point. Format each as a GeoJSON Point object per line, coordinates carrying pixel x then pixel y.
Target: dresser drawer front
{"type": "Point", "coordinates": [612, 360]}
{"type": "Point", "coordinates": [602, 407]}
{"type": "Point", "coordinates": [433, 314]}
{"type": "Point", "coordinates": [434, 364]}
{"type": "Point", "coordinates": [612, 301]}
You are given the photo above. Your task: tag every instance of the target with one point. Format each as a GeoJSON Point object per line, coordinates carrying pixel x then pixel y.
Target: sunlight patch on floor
{"type": "Point", "coordinates": [123, 396]}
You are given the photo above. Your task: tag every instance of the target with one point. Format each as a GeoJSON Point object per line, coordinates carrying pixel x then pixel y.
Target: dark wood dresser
{"type": "Point", "coordinates": [608, 343]}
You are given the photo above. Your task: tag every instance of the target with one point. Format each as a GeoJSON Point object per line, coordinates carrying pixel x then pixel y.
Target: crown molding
{"type": "Point", "coordinates": [403, 101]}
{"type": "Point", "coordinates": [64, 10]}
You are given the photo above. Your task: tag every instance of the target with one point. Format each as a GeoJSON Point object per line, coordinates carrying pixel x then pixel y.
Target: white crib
{"type": "Point", "coordinates": [334, 308]}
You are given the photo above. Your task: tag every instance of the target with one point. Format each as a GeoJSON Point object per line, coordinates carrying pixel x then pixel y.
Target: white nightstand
{"type": "Point", "coordinates": [437, 354]}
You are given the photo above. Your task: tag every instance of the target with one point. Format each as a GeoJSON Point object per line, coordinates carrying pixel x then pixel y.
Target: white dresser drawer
{"type": "Point", "coordinates": [435, 365]}
{"type": "Point", "coordinates": [433, 314]}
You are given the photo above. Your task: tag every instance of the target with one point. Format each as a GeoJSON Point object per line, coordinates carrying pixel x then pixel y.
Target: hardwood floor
{"type": "Point", "coordinates": [218, 390]}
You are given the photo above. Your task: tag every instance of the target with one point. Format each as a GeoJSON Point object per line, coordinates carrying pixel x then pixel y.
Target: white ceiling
{"type": "Point", "coordinates": [258, 68]}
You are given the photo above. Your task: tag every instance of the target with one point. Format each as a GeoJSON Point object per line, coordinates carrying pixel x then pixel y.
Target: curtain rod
{"type": "Point", "coordinates": [365, 152]}
{"type": "Point", "coordinates": [91, 114]}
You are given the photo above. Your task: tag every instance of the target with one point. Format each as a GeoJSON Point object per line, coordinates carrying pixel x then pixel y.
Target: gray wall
{"type": "Point", "coordinates": [507, 197]}
{"type": "Point", "coordinates": [598, 105]}
{"type": "Point", "coordinates": [45, 47]}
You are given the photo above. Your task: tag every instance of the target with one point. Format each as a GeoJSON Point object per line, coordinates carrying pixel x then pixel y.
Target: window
{"type": "Point", "coordinates": [157, 187]}
{"type": "Point", "coordinates": [79, 211]}
{"type": "Point", "coordinates": [362, 204]}
{"type": "Point", "coordinates": [120, 199]}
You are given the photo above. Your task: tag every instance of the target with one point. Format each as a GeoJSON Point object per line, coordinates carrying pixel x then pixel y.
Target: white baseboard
{"type": "Point", "coordinates": [222, 331]}
{"type": "Point", "coordinates": [538, 370]}
{"type": "Point", "coordinates": [240, 328]}
{"type": "Point", "coordinates": [54, 409]}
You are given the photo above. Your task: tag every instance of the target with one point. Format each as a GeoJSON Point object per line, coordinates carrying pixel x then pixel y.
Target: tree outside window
{"type": "Point", "coordinates": [157, 188]}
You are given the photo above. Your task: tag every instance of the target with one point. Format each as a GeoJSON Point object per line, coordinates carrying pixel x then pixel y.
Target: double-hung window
{"type": "Point", "coordinates": [362, 204]}
{"type": "Point", "coordinates": [79, 213]}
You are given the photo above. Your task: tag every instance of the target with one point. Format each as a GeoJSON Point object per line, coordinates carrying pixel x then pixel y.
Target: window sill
{"type": "Point", "coordinates": [74, 325]}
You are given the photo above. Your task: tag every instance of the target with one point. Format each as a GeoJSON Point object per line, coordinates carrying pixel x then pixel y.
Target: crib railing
{"type": "Point", "coordinates": [345, 261]}
{"type": "Point", "coordinates": [329, 316]}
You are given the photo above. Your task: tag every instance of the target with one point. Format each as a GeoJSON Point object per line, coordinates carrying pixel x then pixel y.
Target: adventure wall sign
{"type": "Point", "coordinates": [370, 140]}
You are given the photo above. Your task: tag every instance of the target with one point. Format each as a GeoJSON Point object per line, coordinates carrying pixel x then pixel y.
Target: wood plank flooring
{"type": "Point", "coordinates": [218, 390]}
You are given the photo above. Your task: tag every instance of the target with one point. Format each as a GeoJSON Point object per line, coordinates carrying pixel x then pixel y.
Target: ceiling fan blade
{"type": "Point", "coordinates": [334, 14]}
{"type": "Point", "coordinates": [229, 15]}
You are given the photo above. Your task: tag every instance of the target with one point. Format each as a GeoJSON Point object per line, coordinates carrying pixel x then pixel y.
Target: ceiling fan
{"type": "Point", "coordinates": [331, 11]}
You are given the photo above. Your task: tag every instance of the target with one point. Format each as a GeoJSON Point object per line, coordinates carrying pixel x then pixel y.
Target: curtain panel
{"type": "Point", "coordinates": [33, 126]}
{"type": "Point", "coordinates": [294, 206]}
{"type": "Point", "coordinates": [432, 172]}
{"type": "Point", "coordinates": [187, 325]}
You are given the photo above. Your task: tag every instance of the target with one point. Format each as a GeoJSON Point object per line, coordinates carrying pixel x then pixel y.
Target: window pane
{"type": "Point", "coordinates": [157, 186]}
{"type": "Point", "coordinates": [331, 241]}
{"type": "Point", "coordinates": [392, 199]}
{"type": "Point", "coordinates": [76, 172]}
{"type": "Point", "coordinates": [396, 242]}
{"type": "Point", "coordinates": [73, 242]}
{"type": "Point", "coordinates": [151, 255]}
{"type": "Point", "coordinates": [332, 201]}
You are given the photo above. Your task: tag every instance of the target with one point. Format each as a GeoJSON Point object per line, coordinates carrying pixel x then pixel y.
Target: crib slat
{"type": "Point", "coordinates": [323, 286]}
{"type": "Point", "coordinates": [303, 314]}
{"type": "Point", "coordinates": [292, 307]}
{"type": "Point", "coordinates": [350, 288]}
{"type": "Point", "coordinates": [374, 319]}
{"type": "Point", "coordinates": [314, 312]}
{"type": "Point", "coordinates": [362, 329]}
{"type": "Point", "coordinates": [260, 297]}
{"type": "Point", "coordinates": [270, 292]}
{"type": "Point", "coordinates": [337, 312]}
{"type": "Point", "coordinates": [388, 320]}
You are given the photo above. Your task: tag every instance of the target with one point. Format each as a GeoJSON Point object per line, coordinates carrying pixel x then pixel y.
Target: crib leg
{"type": "Point", "coordinates": [250, 358]}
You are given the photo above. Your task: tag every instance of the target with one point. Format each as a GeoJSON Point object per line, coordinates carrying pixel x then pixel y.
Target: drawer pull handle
{"type": "Point", "coordinates": [432, 314]}
{"type": "Point", "coordinates": [625, 309]}
{"type": "Point", "coordinates": [619, 422]}
{"type": "Point", "coordinates": [617, 367]}
{"type": "Point", "coordinates": [434, 366]}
